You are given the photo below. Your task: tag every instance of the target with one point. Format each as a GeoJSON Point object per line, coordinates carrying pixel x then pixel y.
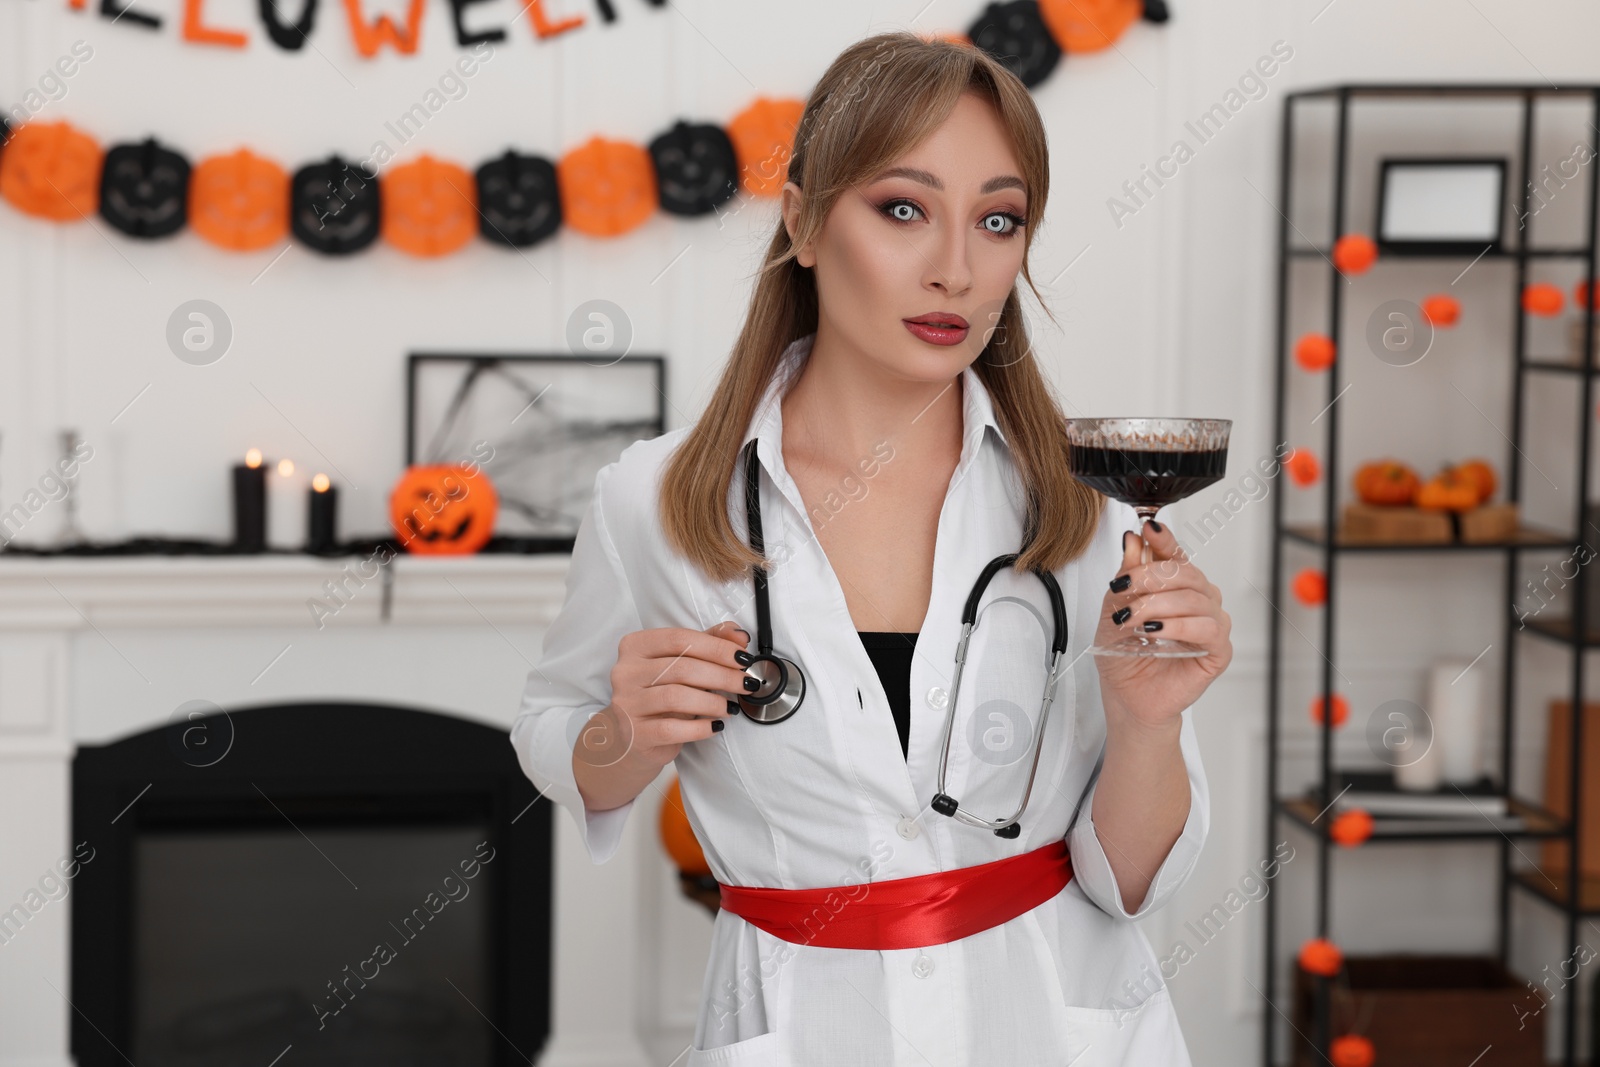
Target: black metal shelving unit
{"type": "Point", "coordinates": [1319, 541]}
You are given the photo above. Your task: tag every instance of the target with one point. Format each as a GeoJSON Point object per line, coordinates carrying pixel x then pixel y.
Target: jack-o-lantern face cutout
{"type": "Point", "coordinates": [519, 200]}
{"type": "Point", "coordinates": [334, 208]}
{"type": "Point", "coordinates": [1089, 25]}
{"type": "Point", "coordinates": [52, 171]}
{"type": "Point", "coordinates": [443, 509]}
{"type": "Point", "coordinates": [696, 168]}
{"type": "Point", "coordinates": [239, 201]}
{"type": "Point", "coordinates": [144, 189]}
{"type": "Point", "coordinates": [763, 140]}
{"type": "Point", "coordinates": [1016, 37]}
{"type": "Point", "coordinates": [429, 207]}
{"type": "Point", "coordinates": [607, 187]}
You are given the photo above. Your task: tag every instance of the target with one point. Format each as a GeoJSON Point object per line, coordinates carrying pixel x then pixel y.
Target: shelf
{"type": "Point", "coordinates": [1527, 537]}
{"type": "Point", "coordinates": [1553, 366]}
{"type": "Point", "coordinates": [1504, 253]}
{"type": "Point", "coordinates": [1560, 630]}
{"type": "Point", "coordinates": [1551, 887]}
{"type": "Point", "coordinates": [1538, 823]}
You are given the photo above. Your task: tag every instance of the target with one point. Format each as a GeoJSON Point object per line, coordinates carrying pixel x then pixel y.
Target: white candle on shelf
{"type": "Point", "coordinates": [286, 506]}
{"type": "Point", "coordinates": [1413, 750]}
{"type": "Point", "coordinates": [1455, 703]}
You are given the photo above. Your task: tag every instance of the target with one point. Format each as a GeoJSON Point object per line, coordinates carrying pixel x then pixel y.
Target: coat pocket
{"type": "Point", "coordinates": [1145, 1035]}
{"type": "Point", "coordinates": [760, 1051]}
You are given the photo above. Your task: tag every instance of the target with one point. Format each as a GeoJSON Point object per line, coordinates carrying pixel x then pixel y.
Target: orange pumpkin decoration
{"type": "Point", "coordinates": [1321, 956]}
{"type": "Point", "coordinates": [763, 140]}
{"type": "Point", "coordinates": [1351, 1050]}
{"type": "Point", "coordinates": [1583, 293]}
{"type": "Point", "coordinates": [1314, 352]}
{"type": "Point", "coordinates": [607, 187]}
{"type": "Point", "coordinates": [1351, 828]}
{"type": "Point", "coordinates": [1542, 298]}
{"type": "Point", "coordinates": [1441, 310]}
{"type": "Point", "coordinates": [52, 171]}
{"type": "Point", "coordinates": [1386, 482]}
{"type": "Point", "coordinates": [1448, 491]}
{"type": "Point", "coordinates": [1088, 25]}
{"type": "Point", "coordinates": [443, 509]}
{"type": "Point", "coordinates": [1480, 474]}
{"type": "Point", "coordinates": [1354, 253]}
{"type": "Point", "coordinates": [1341, 709]}
{"type": "Point", "coordinates": [1310, 587]}
{"type": "Point", "coordinates": [239, 201]}
{"type": "Point", "coordinates": [677, 835]}
{"type": "Point", "coordinates": [1303, 467]}
{"type": "Point", "coordinates": [430, 207]}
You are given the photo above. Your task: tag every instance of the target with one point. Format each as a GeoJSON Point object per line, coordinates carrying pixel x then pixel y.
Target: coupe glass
{"type": "Point", "coordinates": [1147, 464]}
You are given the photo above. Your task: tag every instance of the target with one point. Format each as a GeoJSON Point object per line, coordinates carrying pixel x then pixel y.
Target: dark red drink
{"type": "Point", "coordinates": [1147, 479]}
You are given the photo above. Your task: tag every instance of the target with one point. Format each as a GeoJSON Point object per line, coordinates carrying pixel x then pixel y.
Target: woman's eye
{"type": "Point", "coordinates": [900, 210]}
{"type": "Point", "coordinates": [995, 223]}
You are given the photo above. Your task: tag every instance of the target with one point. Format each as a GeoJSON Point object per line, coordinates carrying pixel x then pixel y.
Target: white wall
{"type": "Point", "coordinates": [1169, 313]}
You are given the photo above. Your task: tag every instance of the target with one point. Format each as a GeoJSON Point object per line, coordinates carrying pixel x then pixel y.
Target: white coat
{"type": "Point", "coordinates": [825, 798]}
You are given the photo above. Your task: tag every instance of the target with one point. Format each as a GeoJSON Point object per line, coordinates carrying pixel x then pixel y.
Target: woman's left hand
{"type": "Point", "coordinates": [1171, 597]}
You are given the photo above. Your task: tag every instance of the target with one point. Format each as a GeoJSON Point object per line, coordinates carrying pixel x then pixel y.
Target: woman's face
{"type": "Point", "coordinates": [939, 231]}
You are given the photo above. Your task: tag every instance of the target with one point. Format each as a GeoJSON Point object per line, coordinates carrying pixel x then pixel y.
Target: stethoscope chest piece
{"type": "Point", "coordinates": [783, 687]}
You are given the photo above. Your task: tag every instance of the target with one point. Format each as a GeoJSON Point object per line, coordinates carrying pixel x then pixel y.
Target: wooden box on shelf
{"type": "Point", "coordinates": [1557, 781]}
{"type": "Point", "coordinates": [1374, 524]}
{"type": "Point", "coordinates": [1427, 1011]}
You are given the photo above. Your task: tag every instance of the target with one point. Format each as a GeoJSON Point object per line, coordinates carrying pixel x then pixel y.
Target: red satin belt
{"type": "Point", "coordinates": [926, 909]}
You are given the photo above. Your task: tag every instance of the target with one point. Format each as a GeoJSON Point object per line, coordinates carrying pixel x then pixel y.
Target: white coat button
{"type": "Point", "coordinates": [908, 828]}
{"type": "Point", "coordinates": [922, 966]}
{"type": "Point", "coordinates": [938, 698]}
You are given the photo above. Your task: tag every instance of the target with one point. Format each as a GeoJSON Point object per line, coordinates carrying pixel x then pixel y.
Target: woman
{"type": "Point", "coordinates": [896, 454]}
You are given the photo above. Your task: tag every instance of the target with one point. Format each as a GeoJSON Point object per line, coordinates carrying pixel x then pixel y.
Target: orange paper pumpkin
{"type": "Point", "coordinates": [677, 835]}
{"type": "Point", "coordinates": [1351, 1050]}
{"type": "Point", "coordinates": [1088, 25]}
{"type": "Point", "coordinates": [1341, 709]}
{"type": "Point", "coordinates": [1303, 467]}
{"type": "Point", "coordinates": [1542, 298]}
{"type": "Point", "coordinates": [239, 201]}
{"type": "Point", "coordinates": [607, 187]}
{"type": "Point", "coordinates": [429, 207]}
{"type": "Point", "coordinates": [1351, 828]}
{"type": "Point", "coordinates": [443, 509]}
{"type": "Point", "coordinates": [1321, 956]}
{"type": "Point", "coordinates": [1441, 310]}
{"type": "Point", "coordinates": [763, 140]}
{"type": "Point", "coordinates": [1354, 253]}
{"type": "Point", "coordinates": [1314, 352]}
{"type": "Point", "coordinates": [1310, 587]}
{"type": "Point", "coordinates": [1584, 292]}
{"type": "Point", "coordinates": [52, 171]}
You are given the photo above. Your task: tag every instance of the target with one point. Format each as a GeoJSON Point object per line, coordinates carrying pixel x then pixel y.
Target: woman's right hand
{"type": "Point", "coordinates": [670, 686]}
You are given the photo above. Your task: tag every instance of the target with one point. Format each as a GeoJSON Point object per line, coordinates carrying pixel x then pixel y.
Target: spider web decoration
{"type": "Point", "coordinates": [551, 421]}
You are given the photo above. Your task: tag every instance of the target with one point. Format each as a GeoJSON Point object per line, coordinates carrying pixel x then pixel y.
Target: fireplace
{"type": "Point", "coordinates": [346, 883]}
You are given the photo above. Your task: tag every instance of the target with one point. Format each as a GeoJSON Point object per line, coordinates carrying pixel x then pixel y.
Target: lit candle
{"type": "Point", "coordinates": [250, 503]}
{"type": "Point", "coordinates": [322, 532]}
{"type": "Point", "coordinates": [286, 507]}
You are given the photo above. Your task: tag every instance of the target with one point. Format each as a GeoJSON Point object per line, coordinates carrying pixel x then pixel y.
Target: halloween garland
{"type": "Point", "coordinates": [430, 207]}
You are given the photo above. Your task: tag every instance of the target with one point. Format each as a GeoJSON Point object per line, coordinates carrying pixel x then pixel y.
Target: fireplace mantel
{"type": "Point", "coordinates": [61, 684]}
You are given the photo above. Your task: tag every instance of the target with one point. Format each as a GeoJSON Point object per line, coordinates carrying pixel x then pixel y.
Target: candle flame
{"type": "Point", "coordinates": [285, 467]}
{"type": "Point", "coordinates": [252, 458]}
{"type": "Point", "coordinates": [320, 483]}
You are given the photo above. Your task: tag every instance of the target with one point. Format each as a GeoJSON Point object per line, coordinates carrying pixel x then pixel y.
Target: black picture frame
{"type": "Point", "coordinates": [1441, 245]}
{"type": "Point", "coordinates": [543, 471]}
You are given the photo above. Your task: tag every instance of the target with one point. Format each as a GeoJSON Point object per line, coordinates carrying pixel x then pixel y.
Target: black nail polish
{"type": "Point", "coordinates": [717, 725]}
{"type": "Point", "coordinates": [1121, 582]}
{"type": "Point", "coordinates": [1120, 616]}
{"type": "Point", "coordinates": [1152, 626]}
{"type": "Point", "coordinates": [734, 708]}
{"type": "Point", "coordinates": [1154, 525]}
{"type": "Point", "coordinates": [743, 658]}
{"type": "Point", "coordinates": [751, 684]}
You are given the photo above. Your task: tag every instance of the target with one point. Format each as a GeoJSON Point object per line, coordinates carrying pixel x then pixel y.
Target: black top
{"type": "Point", "coordinates": [891, 655]}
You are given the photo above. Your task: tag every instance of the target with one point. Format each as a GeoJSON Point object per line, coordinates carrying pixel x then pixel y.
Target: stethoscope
{"type": "Point", "coordinates": [782, 684]}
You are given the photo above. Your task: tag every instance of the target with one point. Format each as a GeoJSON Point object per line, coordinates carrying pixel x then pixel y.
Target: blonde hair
{"type": "Point", "coordinates": [878, 100]}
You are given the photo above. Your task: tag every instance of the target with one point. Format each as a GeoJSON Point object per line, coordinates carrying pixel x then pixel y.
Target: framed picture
{"type": "Point", "coordinates": [540, 426]}
{"type": "Point", "coordinates": [1441, 205]}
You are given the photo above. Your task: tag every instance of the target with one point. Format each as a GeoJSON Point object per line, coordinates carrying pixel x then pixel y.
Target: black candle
{"type": "Point", "coordinates": [250, 503]}
{"type": "Point", "coordinates": [321, 532]}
